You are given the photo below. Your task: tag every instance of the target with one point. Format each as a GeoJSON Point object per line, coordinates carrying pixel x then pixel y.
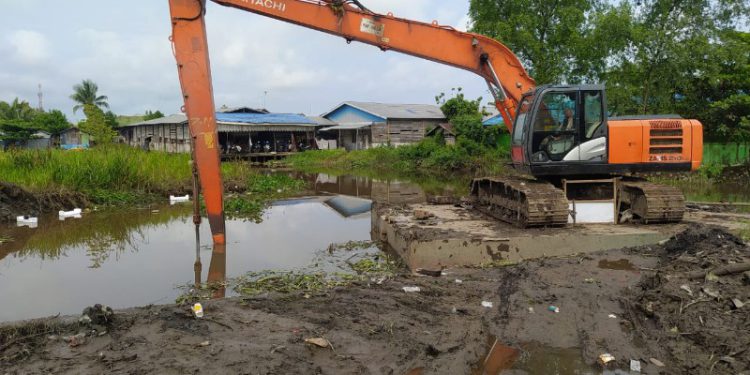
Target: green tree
{"type": "Point", "coordinates": [17, 110]}
{"type": "Point", "coordinates": [86, 93]}
{"type": "Point", "coordinates": [111, 119]}
{"type": "Point", "coordinates": [557, 41]}
{"type": "Point", "coordinates": [16, 121]}
{"type": "Point", "coordinates": [53, 122]}
{"type": "Point", "coordinates": [96, 125]}
{"type": "Point", "coordinates": [152, 115]}
{"type": "Point", "coordinates": [466, 118]}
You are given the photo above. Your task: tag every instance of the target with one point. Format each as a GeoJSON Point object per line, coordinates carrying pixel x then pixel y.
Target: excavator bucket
{"type": "Point", "coordinates": [191, 52]}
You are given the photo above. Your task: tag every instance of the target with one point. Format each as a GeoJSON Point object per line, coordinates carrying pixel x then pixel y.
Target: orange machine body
{"type": "Point", "coordinates": [656, 141]}
{"type": "Point", "coordinates": [632, 145]}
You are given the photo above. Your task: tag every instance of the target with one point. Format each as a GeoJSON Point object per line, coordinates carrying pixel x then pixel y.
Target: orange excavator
{"type": "Point", "coordinates": [560, 134]}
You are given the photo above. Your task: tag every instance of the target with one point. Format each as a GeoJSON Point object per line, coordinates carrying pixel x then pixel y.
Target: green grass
{"type": "Point", "coordinates": [427, 156]}
{"type": "Point", "coordinates": [117, 174]}
{"type": "Point", "coordinates": [116, 168]}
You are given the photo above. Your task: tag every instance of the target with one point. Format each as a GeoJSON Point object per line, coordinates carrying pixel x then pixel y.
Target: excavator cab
{"type": "Point", "coordinates": [560, 130]}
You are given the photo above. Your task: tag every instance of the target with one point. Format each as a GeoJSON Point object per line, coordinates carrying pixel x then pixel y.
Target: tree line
{"type": "Point", "coordinates": [19, 121]}
{"type": "Point", "coordinates": [689, 57]}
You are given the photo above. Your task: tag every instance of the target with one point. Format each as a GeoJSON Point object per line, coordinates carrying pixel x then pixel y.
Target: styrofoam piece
{"type": "Point", "coordinates": [593, 212]}
{"type": "Point", "coordinates": [27, 221]}
{"type": "Point", "coordinates": [72, 213]}
{"type": "Point", "coordinates": [179, 199]}
{"type": "Point", "coordinates": [62, 218]}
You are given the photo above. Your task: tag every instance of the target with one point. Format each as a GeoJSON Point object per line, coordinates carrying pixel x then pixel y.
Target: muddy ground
{"type": "Point", "coordinates": [624, 302]}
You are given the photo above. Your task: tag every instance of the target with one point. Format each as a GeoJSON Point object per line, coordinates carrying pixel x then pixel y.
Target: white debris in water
{"type": "Point", "coordinates": [411, 289]}
{"type": "Point", "coordinates": [487, 304]}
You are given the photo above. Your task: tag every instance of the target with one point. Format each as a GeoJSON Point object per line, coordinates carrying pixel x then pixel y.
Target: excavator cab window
{"type": "Point", "coordinates": [519, 128]}
{"type": "Point", "coordinates": [555, 126]}
{"type": "Point", "coordinates": [592, 115]}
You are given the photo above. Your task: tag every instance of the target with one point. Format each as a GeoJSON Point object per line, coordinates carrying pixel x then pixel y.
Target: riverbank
{"type": "Point", "coordinates": [33, 182]}
{"type": "Point", "coordinates": [622, 302]}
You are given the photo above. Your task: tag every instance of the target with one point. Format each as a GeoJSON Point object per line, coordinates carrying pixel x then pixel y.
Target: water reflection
{"type": "Point", "coordinates": [133, 257]}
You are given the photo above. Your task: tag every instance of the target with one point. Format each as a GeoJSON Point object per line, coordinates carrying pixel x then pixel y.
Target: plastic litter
{"type": "Point", "coordinates": [613, 316]}
{"type": "Point", "coordinates": [411, 289]}
{"type": "Point", "coordinates": [198, 310]}
{"type": "Point", "coordinates": [318, 341]}
{"type": "Point", "coordinates": [459, 281]}
{"type": "Point", "coordinates": [75, 213]}
{"type": "Point", "coordinates": [635, 365]}
{"type": "Point", "coordinates": [178, 199]}
{"type": "Point", "coordinates": [28, 221]}
{"type": "Point", "coordinates": [554, 309]}
{"type": "Point", "coordinates": [606, 358]}
{"type": "Point", "coordinates": [487, 304]}
{"type": "Point", "coordinates": [531, 310]}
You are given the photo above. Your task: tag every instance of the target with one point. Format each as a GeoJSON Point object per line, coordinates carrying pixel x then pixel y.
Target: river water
{"type": "Point", "coordinates": [134, 257]}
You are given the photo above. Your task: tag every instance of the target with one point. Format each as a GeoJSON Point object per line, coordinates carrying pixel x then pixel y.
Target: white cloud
{"type": "Point", "coordinates": [126, 52]}
{"type": "Point", "coordinates": [29, 47]}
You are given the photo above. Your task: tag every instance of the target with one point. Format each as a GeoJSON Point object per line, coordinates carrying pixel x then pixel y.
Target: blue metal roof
{"type": "Point", "coordinates": [494, 120]}
{"type": "Point", "coordinates": [265, 118]}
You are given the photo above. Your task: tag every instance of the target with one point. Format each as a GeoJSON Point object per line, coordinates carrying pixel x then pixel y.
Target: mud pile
{"type": "Point", "coordinates": [16, 201]}
{"type": "Point", "coordinates": [695, 307]}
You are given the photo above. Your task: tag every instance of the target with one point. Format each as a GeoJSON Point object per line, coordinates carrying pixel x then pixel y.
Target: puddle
{"type": "Point", "coordinates": [620, 265]}
{"type": "Point", "coordinates": [499, 358]}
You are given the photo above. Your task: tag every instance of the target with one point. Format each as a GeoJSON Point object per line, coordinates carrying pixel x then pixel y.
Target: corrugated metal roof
{"type": "Point", "coordinates": [348, 126]}
{"type": "Point", "coordinates": [321, 120]}
{"type": "Point", "coordinates": [237, 118]}
{"type": "Point", "coordinates": [396, 111]}
{"type": "Point", "coordinates": [171, 119]}
{"type": "Point", "coordinates": [241, 110]}
{"type": "Point", "coordinates": [264, 118]}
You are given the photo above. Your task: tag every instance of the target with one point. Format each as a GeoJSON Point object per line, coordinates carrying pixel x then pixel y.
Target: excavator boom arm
{"type": "Point", "coordinates": [488, 58]}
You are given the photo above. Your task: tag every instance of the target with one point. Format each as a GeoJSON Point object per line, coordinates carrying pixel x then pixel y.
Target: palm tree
{"type": "Point", "coordinates": [17, 110]}
{"type": "Point", "coordinates": [86, 93]}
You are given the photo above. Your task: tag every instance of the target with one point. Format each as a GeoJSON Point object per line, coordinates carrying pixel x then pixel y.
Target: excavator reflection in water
{"type": "Point", "coordinates": [560, 134]}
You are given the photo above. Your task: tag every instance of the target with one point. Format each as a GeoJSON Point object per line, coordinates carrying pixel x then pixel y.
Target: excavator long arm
{"type": "Point", "coordinates": [488, 58]}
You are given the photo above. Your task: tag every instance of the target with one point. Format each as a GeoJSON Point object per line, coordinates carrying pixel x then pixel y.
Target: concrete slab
{"type": "Point", "coordinates": [445, 236]}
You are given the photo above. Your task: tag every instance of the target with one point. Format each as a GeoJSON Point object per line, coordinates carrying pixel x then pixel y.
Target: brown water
{"type": "Point", "coordinates": [133, 257]}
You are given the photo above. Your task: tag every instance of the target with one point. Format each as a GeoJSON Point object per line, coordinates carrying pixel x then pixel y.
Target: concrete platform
{"type": "Point", "coordinates": [445, 235]}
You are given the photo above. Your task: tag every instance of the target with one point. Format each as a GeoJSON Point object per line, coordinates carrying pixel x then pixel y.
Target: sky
{"type": "Point", "coordinates": [123, 47]}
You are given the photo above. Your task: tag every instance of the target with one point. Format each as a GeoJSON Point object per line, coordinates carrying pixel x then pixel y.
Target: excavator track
{"type": "Point", "coordinates": [520, 201]}
{"type": "Point", "coordinates": [653, 203]}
